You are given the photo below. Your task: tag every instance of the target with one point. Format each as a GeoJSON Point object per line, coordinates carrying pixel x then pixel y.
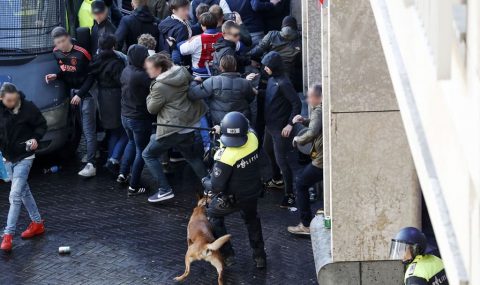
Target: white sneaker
{"type": "Point", "coordinates": [88, 171]}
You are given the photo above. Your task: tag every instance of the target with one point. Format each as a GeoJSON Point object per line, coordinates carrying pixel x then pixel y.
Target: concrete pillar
{"type": "Point", "coordinates": [312, 46]}
{"type": "Point", "coordinates": [326, 111]}
{"type": "Point", "coordinates": [374, 189]}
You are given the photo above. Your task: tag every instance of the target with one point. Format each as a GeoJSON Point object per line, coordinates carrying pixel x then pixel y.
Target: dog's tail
{"type": "Point", "coordinates": [219, 242]}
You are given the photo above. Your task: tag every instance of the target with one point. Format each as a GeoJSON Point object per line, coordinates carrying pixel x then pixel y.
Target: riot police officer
{"type": "Point", "coordinates": [235, 184]}
{"type": "Point", "coordinates": [409, 245]}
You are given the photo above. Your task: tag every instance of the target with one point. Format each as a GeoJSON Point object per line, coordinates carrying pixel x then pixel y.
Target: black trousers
{"type": "Point", "coordinates": [248, 210]}
{"type": "Point", "coordinates": [307, 178]}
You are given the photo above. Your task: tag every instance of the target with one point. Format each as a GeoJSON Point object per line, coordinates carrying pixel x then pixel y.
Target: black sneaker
{"type": "Point", "coordinates": [112, 166]}
{"type": "Point", "coordinates": [277, 184]}
{"type": "Point", "coordinates": [312, 194]}
{"type": "Point", "coordinates": [135, 192]}
{"type": "Point", "coordinates": [288, 201]}
{"type": "Point", "coordinates": [122, 179]}
{"type": "Point", "coordinates": [260, 262]}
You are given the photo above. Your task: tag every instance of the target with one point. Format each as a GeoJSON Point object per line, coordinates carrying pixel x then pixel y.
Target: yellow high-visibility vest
{"type": "Point", "coordinates": [85, 16]}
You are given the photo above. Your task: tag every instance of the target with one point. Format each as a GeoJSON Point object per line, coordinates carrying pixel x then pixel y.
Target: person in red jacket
{"type": "Point", "coordinates": [201, 47]}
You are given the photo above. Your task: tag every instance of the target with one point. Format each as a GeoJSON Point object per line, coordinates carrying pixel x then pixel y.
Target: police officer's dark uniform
{"type": "Point", "coordinates": [422, 268]}
{"type": "Point", "coordinates": [235, 182]}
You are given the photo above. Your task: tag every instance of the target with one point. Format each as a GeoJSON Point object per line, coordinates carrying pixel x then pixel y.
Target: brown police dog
{"type": "Point", "coordinates": [201, 243]}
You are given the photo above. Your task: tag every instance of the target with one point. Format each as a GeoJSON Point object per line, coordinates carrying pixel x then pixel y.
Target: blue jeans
{"type": "Point", "coordinates": [20, 194]}
{"type": "Point", "coordinates": [205, 134]}
{"type": "Point", "coordinates": [89, 127]}
{"type": "Point", "coordinates": [185, 143]}
{"type": "Point", "coordinates": [282, 149]}
{"type": "Point", "coordinates": [138, 133]}
{"type": "Point", "coordinates": [116, 143]}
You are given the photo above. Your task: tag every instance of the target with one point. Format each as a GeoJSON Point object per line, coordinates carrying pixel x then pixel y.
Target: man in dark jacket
{"type": "Point", "coordinates": [227, 92]}
{"type": "Point", "coordinates": [230, 44]}
{"type": "Point", "coordinates": [282, 104]}
{"type": "Point", "coordinates": [73, 62]}
{"type": "Point", "coordinates": [174, 30]}
{"type": "Point", "coordinates": [141, 21]}
{"type": "Point", "coordinates": [24, 126]}
{"type": "Point", "coordinates": [287, 42]}
{"type": "Point", "coordinates": [135, 118]}
{"type": "Point", "coordinates": [106, 68]}
{"type": "Point", "coordinates": [101, 26]}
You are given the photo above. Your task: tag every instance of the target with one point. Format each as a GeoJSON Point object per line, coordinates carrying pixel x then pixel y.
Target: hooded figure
{"type": "Point", "coordinates": [135, 85]}
{"type": "Point", "coordinates": [287, 42]}
{"type": "Point", "coordinates": [281, 100]}
{"type": "Point", "coordinates": [141, 21]}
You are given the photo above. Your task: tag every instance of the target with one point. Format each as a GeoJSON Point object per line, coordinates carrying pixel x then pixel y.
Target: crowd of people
{"type": "Point", "coordinates": [230, 66]}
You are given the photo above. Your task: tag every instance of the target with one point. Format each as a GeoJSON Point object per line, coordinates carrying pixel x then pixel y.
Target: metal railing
{"type": "Point", "coordinates": [25, 26]}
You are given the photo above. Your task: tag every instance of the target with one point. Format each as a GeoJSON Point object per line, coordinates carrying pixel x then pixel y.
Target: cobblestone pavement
{"type": "Point", "coordinates": [119, 240]}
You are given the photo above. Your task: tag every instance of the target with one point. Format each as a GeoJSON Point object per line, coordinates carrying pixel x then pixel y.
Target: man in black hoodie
{"type": "Point", "coordinates": [141, 21]}
{"type": "Point", "coordinates": [281, 105]}
{"type": "Point", "coordinates": [135, 118]}
{"type": "Point", "coordinates": [23, 126]}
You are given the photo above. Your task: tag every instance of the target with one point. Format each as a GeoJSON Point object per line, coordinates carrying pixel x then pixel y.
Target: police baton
{"type": "Point", "coordinates": [185, 127]}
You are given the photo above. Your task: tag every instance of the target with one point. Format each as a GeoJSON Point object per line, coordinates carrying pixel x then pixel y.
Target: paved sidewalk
{"type": "Point", "coordinates": [120, 240]}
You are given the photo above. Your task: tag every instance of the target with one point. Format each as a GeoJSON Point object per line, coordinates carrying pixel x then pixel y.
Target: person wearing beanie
{"type": "Point", "coordinates": [288, 43]}
{"type": "Point", "coordinates": [102, 24]}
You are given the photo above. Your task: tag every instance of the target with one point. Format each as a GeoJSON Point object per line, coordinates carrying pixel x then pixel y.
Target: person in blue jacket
{"type": "Point", "coordinates": [174, 30]}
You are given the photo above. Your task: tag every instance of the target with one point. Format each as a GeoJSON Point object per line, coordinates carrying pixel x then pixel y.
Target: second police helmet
{"type": "Point", "coordinates": [234, 129]}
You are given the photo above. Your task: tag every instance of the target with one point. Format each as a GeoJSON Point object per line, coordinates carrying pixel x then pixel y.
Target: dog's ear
{"type": "Point", "coordinates": [207, 252]}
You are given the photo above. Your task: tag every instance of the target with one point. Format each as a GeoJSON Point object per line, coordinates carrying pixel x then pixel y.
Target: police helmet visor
{"type": "Point", "coordinates": [398, 250]}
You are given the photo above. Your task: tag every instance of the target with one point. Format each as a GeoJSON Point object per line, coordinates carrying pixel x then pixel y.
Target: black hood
{"type": "Point", "coordinates": [143, 14]}
{"type": "Point", "coordinates": [223, 43]}
{"type": "Point", "coordinates": [274, 61]}
{"type": "Point", "coordinates": [137, 55]}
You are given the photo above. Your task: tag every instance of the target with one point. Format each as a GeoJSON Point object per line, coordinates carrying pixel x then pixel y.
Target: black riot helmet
{"type": "Point", "coordinates": [234, 128]}
{"type": "Point", "coordinates": [410, 240]}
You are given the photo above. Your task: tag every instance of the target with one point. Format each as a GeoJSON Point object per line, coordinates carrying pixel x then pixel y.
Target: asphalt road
{"type": "Point", "coordinates": [119, 240]}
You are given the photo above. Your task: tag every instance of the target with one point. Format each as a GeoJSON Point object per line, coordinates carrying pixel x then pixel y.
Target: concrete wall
{"type": "Point", "coordinates": [441, 115]}
{"type": "Point", "coordinates": [362, 273]}
{"type": "Point", "coordinates": [374, 189]}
